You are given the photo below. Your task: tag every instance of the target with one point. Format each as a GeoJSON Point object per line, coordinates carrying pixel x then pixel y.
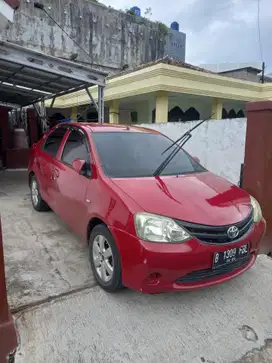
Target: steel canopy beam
{"type": "Point", "coordinates": [35, 60]}
{"type": "Point", "coordinates": [92, 99]}
{"type": "Point", "coordinates": [29, 77]}
{"type": "Point", "coordinates": [17, 90]}
{"type": "Point", "coordinates": [98, 105]}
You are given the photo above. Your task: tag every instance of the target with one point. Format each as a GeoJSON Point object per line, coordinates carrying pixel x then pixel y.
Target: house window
{"type": "Point", "coordinates": [191, 114]}
{"type": "Point", "coordinates": [240, 114]}
{"type": "Point", "coordinates": [175, 115]}
{"type": "Point", "coordinates": [134, 116]}
{"type": "Point", "coordinates": [225, 114]}
{"type": "Point", "coordinates": [232, 113]}
{"type": "Point", "coordinates": [154, 116]}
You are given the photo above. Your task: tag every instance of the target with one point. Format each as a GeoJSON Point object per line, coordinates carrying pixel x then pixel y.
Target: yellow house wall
{"type": "Point", "coordinates": [162, 77]}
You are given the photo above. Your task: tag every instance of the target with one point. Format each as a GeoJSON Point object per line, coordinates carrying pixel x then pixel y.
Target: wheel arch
{"type": "Point", "coordinates": [95, 221]}
{"type": "Point", "coordinates": [30, 175]}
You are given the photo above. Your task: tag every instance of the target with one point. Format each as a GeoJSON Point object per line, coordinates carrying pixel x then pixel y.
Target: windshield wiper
{"type": "Point", "coordinates": [179, 144]}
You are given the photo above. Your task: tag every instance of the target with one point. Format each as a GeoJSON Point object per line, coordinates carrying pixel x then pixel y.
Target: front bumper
{"type": "Point", "coordinates": [159, 267]}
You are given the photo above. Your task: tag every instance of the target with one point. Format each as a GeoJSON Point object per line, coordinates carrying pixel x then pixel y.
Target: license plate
{"type": "Point", "coordinates": [230, 256]}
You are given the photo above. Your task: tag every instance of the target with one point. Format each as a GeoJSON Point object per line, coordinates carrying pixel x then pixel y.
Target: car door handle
{"type": "Point", "coordinates": [55, 174]}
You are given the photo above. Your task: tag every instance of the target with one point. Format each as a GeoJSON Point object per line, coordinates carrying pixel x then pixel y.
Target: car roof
{"type": "Point", "coordinates": [95, 127]}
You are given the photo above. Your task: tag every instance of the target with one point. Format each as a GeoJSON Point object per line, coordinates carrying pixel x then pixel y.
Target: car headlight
{"type": "Point", "coordinates": [257, 212]}
{"type": "Point", "coordinates": [155, 228]}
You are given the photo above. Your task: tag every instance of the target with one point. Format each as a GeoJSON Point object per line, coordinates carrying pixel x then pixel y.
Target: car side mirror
{"type": "Point", "coordinates": [78, 165]}
{"type": "Point", "coordinates": [196, 159]}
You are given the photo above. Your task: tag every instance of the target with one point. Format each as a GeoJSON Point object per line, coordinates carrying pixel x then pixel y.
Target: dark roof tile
{"type": "Point", "coordinates": [165, 60]}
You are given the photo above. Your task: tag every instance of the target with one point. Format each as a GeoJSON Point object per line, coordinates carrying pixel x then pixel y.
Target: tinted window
{"type": "Point", "coordinates": [52, 143]}
{"type": "Point", "coordinates": [127, 154]}
{"type": "Point", "coordinates": [75, 148]}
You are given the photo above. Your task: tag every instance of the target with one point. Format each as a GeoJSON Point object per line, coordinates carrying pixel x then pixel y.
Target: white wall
{"type": "Point", "coordinates": [219, 144]}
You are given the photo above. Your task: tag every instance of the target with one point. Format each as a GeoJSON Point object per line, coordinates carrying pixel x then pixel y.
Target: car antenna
{"type": "Point", "coordinates": [183, 139]}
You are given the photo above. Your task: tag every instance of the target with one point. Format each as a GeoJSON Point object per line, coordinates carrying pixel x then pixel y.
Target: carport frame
{"type": "Point", "coordinates": [17, 62]}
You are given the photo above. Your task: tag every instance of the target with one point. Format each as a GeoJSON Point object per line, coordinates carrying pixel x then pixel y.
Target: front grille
{"type": "Point", "coordinates": [217, 234]}
{"type": "Point", "coordinates": [201, 275]}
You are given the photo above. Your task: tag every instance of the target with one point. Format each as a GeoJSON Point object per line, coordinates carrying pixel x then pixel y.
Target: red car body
{"type": "Point", "coordinates": [201, 200]}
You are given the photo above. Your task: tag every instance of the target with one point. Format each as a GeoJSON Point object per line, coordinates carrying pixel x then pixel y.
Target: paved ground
{"type": "Point", "coordinates": [215, 325]}
{"type": "Point", "coordinates": [43, 258]}
{"type": "Point", "coordinates": [223, 324]}
{"type": "Point", "coordinates": [263, 355]}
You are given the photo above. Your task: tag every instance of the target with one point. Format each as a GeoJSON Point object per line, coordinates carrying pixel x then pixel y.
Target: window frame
{"type": "Point", "coordinates": [60, 145]}
{"type": "Point", "coordinates": [86, 142]}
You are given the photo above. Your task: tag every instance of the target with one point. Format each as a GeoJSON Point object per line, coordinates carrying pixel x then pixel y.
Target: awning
{"type": "Point", "coordinates": [28, 77]}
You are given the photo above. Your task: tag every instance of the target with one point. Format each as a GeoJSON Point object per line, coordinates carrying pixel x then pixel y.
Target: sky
{"type": "Point", "coordinates": [217, 31]}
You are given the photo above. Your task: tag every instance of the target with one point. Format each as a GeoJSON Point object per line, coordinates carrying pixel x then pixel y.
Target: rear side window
{"type": "Point", "coordinates": [52, 143]}
{"type": "Point", "coordinates": [75, 148]}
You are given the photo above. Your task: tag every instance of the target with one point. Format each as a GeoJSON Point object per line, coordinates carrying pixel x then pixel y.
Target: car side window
{"type": "Point", "coordinates": [53, 141]}
{"type": "Point", "coordinates": [75, 148]}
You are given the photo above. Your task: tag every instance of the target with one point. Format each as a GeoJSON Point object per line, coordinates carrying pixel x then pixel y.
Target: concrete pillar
{"type": "Point", "coordinates": [217, 107]}
{"type": "Point", "coordinates": [114, 111]}
{"type": "Point", "coordinates": [257, 175]}
{"type": "Point", "coordinates": [161, 107]}
{"type": "Point", "coordinates": [74, 114]}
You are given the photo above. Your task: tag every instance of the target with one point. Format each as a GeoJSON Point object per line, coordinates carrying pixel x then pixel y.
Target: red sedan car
{"type": "Point", "coordinates": [177, 229]}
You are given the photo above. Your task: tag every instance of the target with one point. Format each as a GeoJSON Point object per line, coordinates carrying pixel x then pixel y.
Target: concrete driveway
{"type": "Point", "coordinates": [43, 259]}
{"type": "Point", "coordinates": [214, 325]}
{"type": "Point", "coordinates": [62, 317]}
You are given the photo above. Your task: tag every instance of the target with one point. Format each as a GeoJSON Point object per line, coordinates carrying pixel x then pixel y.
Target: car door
{"type": "Point", "coordinates": [44, 164]}
{"type": "Point", "coordinates": [70, 187]}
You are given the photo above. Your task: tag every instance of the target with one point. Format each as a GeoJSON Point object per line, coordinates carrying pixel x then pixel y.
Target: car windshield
{"type": "Point", "coordinates": [137, 154]}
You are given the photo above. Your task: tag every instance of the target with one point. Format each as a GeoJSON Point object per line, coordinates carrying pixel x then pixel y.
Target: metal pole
{"type": "Point", "coordinates": [52, 102]}
{"type": "Point", "coordinates": [263, 69]}
{"type": "Point", "coordinates": [92, 99]}
{"type": "Point", "coordinates": [100, 104]}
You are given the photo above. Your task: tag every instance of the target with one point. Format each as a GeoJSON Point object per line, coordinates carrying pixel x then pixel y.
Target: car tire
{"type": "Point", "coordinates": [105, 259]}
{"type": "Point", "coordinates": [37, 201]}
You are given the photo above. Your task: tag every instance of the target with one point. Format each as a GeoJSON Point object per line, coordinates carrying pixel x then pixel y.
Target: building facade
{"type": "Point", "coordinates": [167, 90]}
{"type": "Point", "coordinates": [176, 43]}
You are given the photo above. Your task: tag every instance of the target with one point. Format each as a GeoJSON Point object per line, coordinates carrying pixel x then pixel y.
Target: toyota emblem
{"type": "Point", "coordinates": [233, 232]}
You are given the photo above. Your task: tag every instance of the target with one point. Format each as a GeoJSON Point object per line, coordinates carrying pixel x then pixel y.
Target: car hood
{"type": "Point", "coordinates": [202, 198]}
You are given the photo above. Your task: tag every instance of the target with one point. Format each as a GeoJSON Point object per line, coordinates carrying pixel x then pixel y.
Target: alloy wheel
{"type": "Point", "coordinates": [34, 192]}
{"type": "Point", "coordinates": [103, 258]}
